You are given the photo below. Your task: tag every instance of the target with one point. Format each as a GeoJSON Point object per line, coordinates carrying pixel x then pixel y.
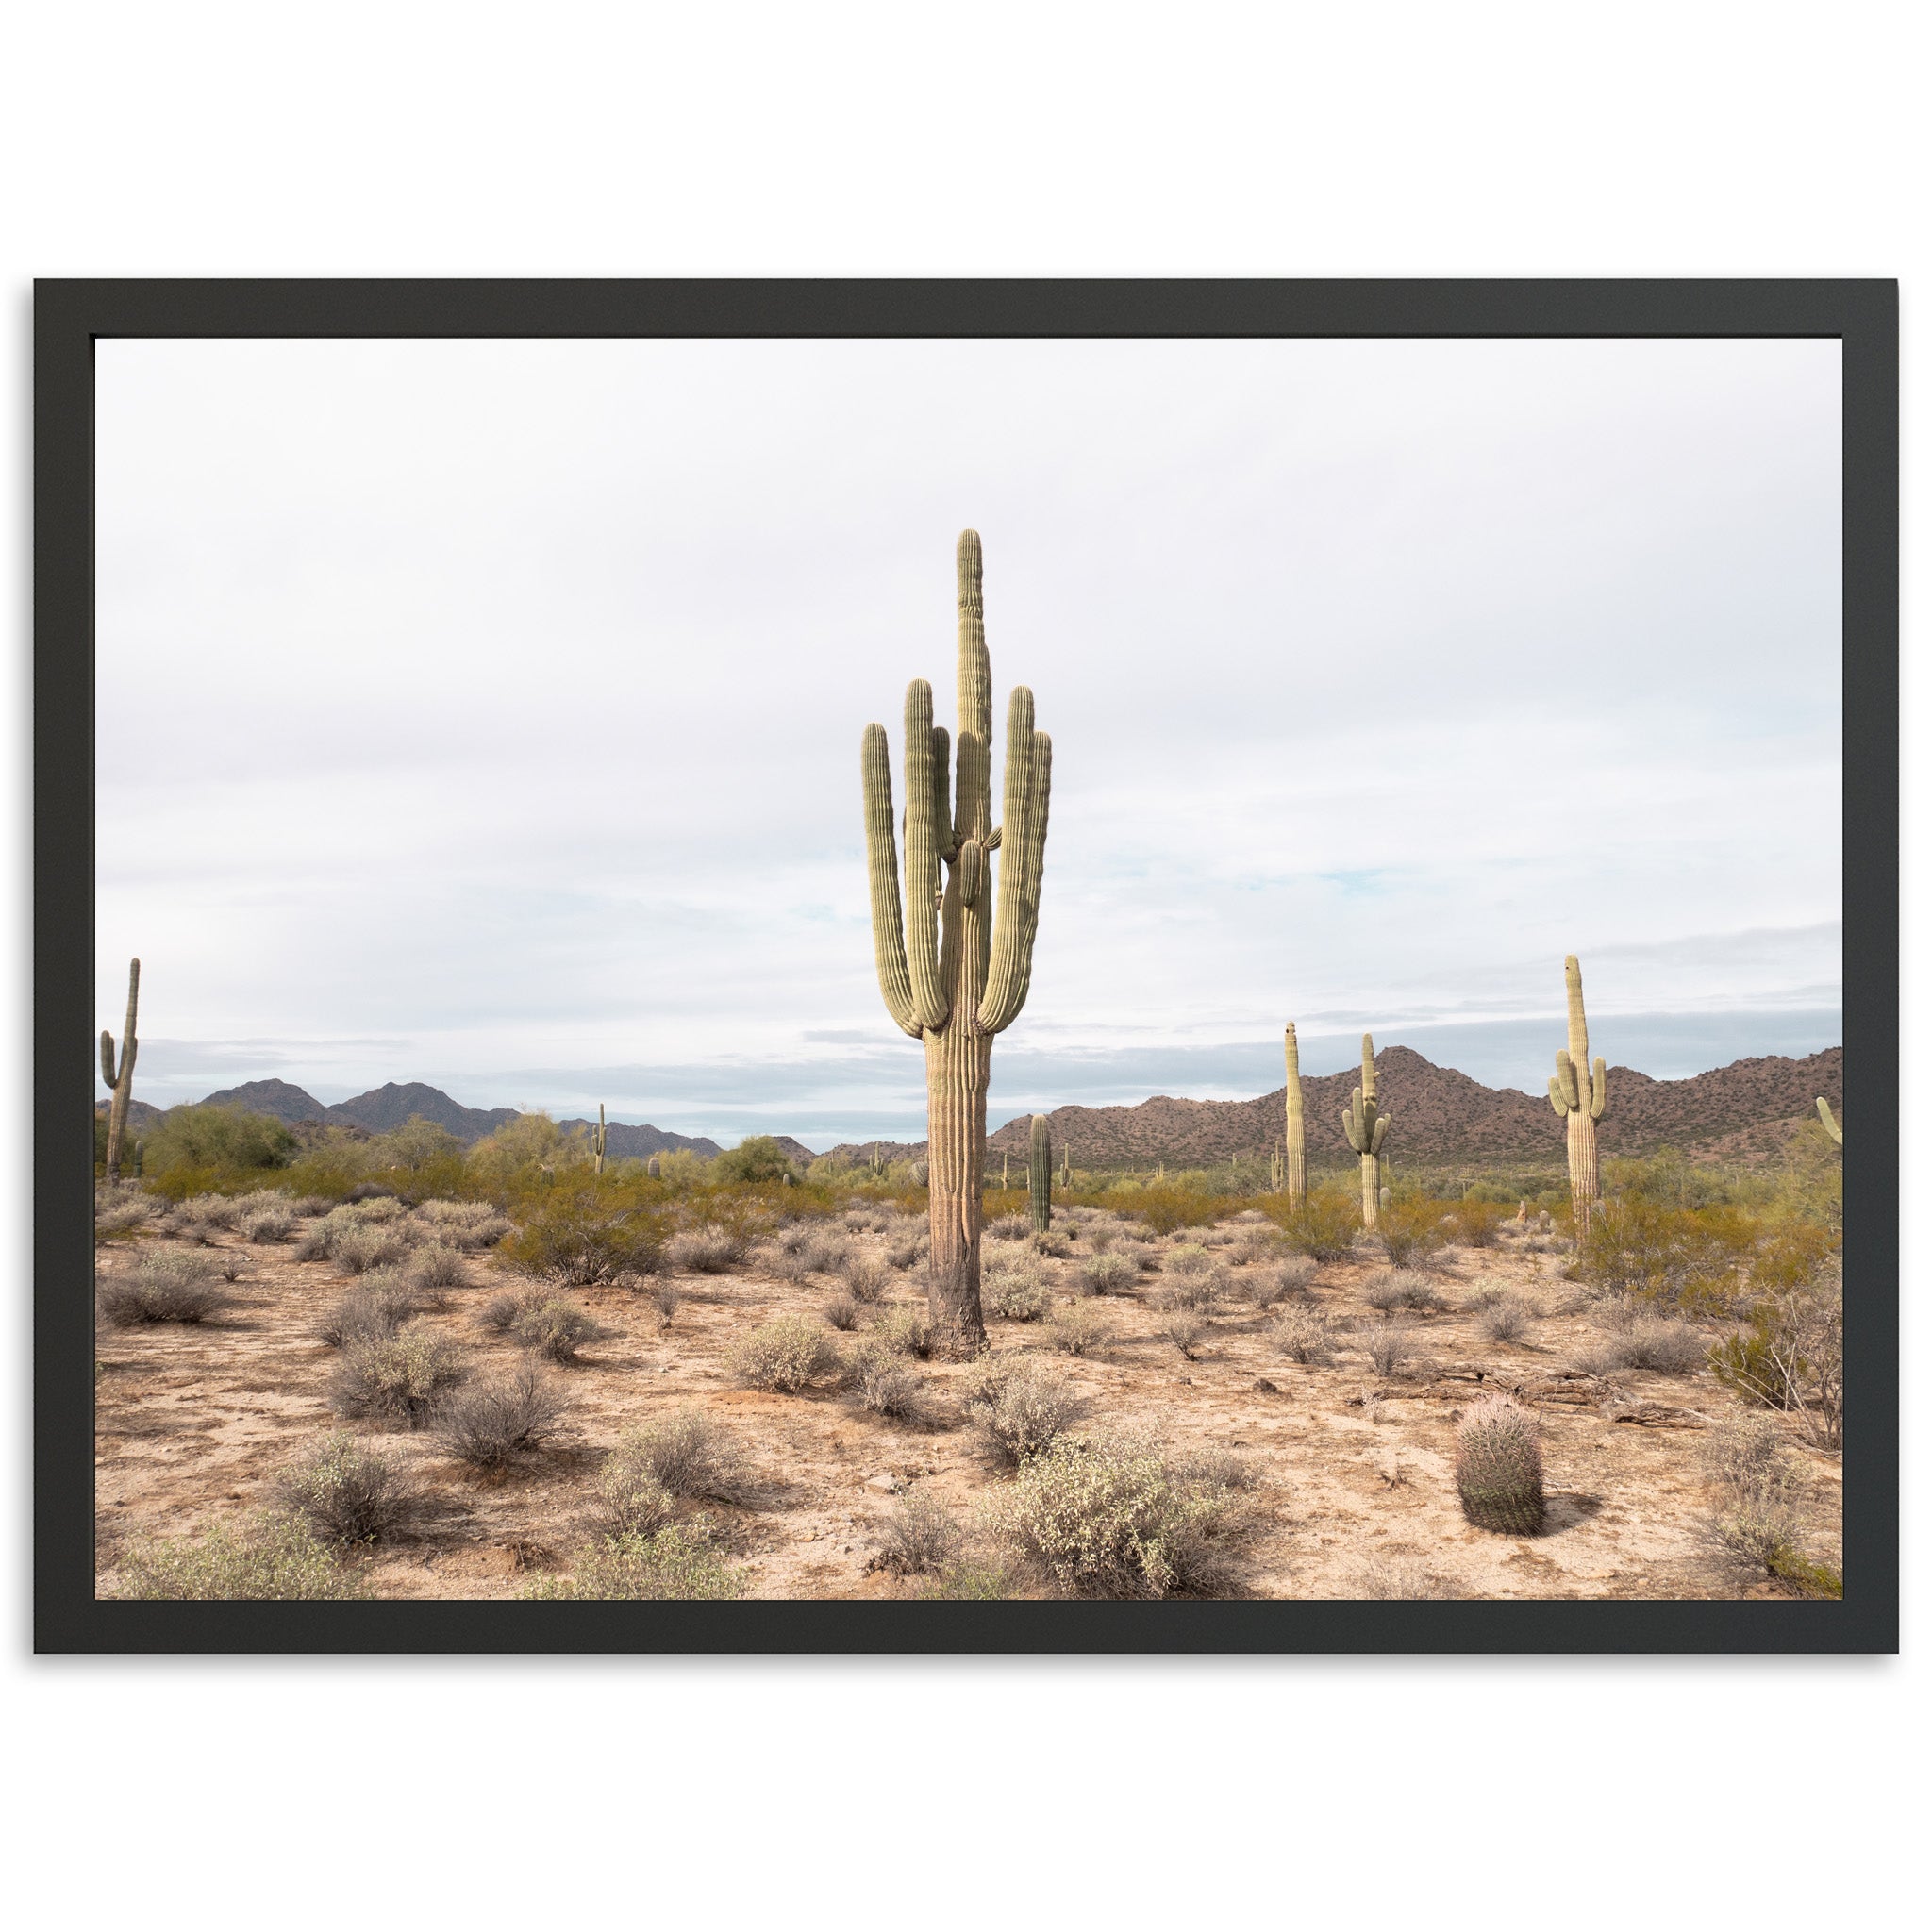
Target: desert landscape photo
{"type": "Point", "coordinates": [969, 971]}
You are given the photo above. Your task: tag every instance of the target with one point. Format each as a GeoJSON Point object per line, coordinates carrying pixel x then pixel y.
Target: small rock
{"type": "Point", "coordinates": [885, 1485]}
{"type": "Point", "coordinates": [1262, 1385]}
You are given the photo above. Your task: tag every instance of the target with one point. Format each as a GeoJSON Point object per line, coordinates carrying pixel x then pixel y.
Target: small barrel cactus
{"type": "Point", "coordinates": [653, 1167]}
{"type": "Point", "coordinates": [1499, 1467]}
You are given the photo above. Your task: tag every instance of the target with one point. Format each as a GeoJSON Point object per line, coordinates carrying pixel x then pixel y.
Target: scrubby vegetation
{"type": "Point", "coordinates": [489, 1423]}
{"type": "Point", "coordinates": [346, 1491]}
{"type": "Point", "coordinates": [269, 1558]}
{"type": "Point", "coordinates": [163, 1286]}
{"type": "Point", "coordinates": [677, 1564]}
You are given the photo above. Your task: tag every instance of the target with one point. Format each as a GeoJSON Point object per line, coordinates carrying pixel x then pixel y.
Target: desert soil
{"type": "Point", "coordinates": [1355, 1473]}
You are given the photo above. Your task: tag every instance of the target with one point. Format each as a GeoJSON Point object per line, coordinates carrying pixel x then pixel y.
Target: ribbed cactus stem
{"type": "Point", "coordinates": [1294, 1172]}
{"type": "Point", "coordinates": [1364, 1125]}
{"type": "Point", "coordinates": [597, 1137]}
{"type": "Point", "coordinates": [1040, 1174]}
{"type": "Point", "coordinates": [1577, 1093]}
{"type": "Point", "coordinates": [120, 1078]}
{"type": "Point", "coordinates": [1831, 1126]}
{"type": "Point", "coordinates": [1499, 1467]}
{"type": "Point", "coordinates": [654, 1168]}
{"type": "Point", "coordinates": [955, 965]}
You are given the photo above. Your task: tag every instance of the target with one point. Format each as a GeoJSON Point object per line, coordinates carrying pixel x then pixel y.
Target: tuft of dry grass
{"type": "Point", "coordinates": [1079, 1329]}
{"type": "Point", "coordinates": [488, 1425]}
{"type": "Point", "coordinates": [165, 1285]}
{"type": "Point", "coordinates": [918, 1537]}
{"type": "Point", "coordinates": [1303, 1335]}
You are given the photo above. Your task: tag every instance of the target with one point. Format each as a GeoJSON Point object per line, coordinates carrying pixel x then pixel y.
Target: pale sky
{"type": "Point", "coordinates": [488, 713]}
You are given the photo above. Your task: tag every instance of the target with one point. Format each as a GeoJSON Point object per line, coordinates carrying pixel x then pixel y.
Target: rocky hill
{"type": "Point", "coordinates": [1439, 1116]}
{"type": "Point", "coordinates": [624, 1142]}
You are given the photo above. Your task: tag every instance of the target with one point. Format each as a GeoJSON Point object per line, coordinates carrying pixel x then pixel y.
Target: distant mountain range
{"type": "Point", "coordinates": [1437, 1116]}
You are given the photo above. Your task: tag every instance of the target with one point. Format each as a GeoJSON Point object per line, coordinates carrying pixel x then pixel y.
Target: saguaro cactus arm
{"type": "Point", "coordinates": [1831, 1126]}
{"type": "Point", "coordinates": [1021, 833]}
{"type": "Point", "coordinates": [882, 869]}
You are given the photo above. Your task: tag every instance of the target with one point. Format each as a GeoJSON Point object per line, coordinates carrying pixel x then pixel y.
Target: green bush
{"type": "Point", "coordinates": [583, 1229]}
{"type": "Point", "coordinates": [686, 1452]}
{"type": "Point", "coordinates": [1113, 1519]}
{"type": "Point", "coordinates": [677, 1564]}
{"type": "Point", "coordinates": [756, 1158]}
{"type": "Point", "coordinates": [269, 1558]}
{"type": "Point", "coordinates": [1324, 1228]}
{"type": "Point", "coordinates": [222, 1140]}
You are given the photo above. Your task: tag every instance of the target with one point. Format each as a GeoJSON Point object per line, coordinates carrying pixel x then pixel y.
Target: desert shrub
{"type": "Point", "coordinates": [1010, 1227]}
{"type": "Point", "coordinates": [488, 1424]}
{"type": "Point", "coordinates": [267, 1226]}
{"type": "Point", "coordinates": [215, 1140]}
{"type": "Point", "coordinates": [1400, 1288]}
{"type": "Point", "coordinates": [1504, 1319]}
{"type": "Point", "coordinates": [1391, 1346]}
{"type": "Point", "coordinates": [1279, 1281]}
{"type": "Point", "coordinates": [373, 1205]}
{"type": "Point", "coordinates": [164, 1284]}
{"type": "Point", "coordinates": [378, 1306]}
{"type": "Point", "coordinates": [119, 1210]}
{"type": "Point", "coordinates": [1303, 1335]}
{"type": "Point", "coordinates": [1792, 1357]}
{"type": "Point", "coordinates": [1474, 1224]}
{"type": "Point", "coordinates": [709, 1250]}
{"type": "Point", "coordinates": [1019, 1406]}
{"type": "Point", "coordinates": [1109, 1274]}
{"type": "Point", "coordinates": [1184, 1329]}
{"type": "Point", "coordinates": [1218, 1468]}
{"type": "Point", "coordinates": [864, 1220]}
{"type": "Point", "coordinates": [686, 1453]}
{"type": "Point", "coordinates": [1112, 1519]}
{"type": "Point", "coordinates": [1499, 1465]}
{"type": "Point", "coordinates": [783, 1356]}
{"type": "Point", "coordinates": [918, 1536]}
{"type": "Point", "coordinates": [356, 1250]}
{"type": "Point", "coordinates": [632, 1502]}
{"type": "Point", "coordinates": [1755, 1520]}
{"type": "Point", "coordinates": [1013, 1297]}
{"type": "Point", "coordinates": [462, 1224]}
{"type": "Point", "coordinates": [676, 1565]}
{"type": "Point", "coordinates": [1079, 1329]}
{"type": "Point", "coordinates": [757, 1157]}
{"type": "Point", "coordinates": [307, 1206]}
{"type": "Point", "coordinates": [555, 1329]}
{"type": "Point", "coordinates": [1326, 1227]}
{"type": "Point", "coordinates": [1190, 1261]}
{"type": "Point", "coordinates": [212, 1210]}
{"type": "Point", "coordinates": [433, 1266]}
{"type": "Point", "coordinates": [1411, 1230]}
{"type": "Point", "coordinates": [886, 1383]}
{"type": "Point", "coordinates": [865, 1277]}
{"type": "Point", "coordinates": [668, 1298]}
{"type": "Point", "coordinates": [1053, 1244]}
{"type": "Point", "coordinates": [1165, 1207]}
{"type": "Point", "coordinates": [825, 1254]}
{"type": "Point", "coordinates": [1381, 1578]}
{"type": "Point", "coordinates": [268, 1558]}
{"type": "Point", "coordinates": [1634, 1338]}
{"type": "Point", "coordinates": [346, 1492]}
{"type": "Point", "coordinates": [977, 1583]}
{"type": "Point", "coordinates": [580, 1231]}
{"type": "Point", "coordinates": [1256, 1245]}
{"type": "Point", "coordinates": [841, 1311]}
{"type": "Point", "coordinates": [1695, 1259]}
{"type": "Point", "coordinates": [903, 1330]}
{"type": "Point", "coordinates": [399, 1377]}
{"type": "Point", "coordinates": [907, 1249]}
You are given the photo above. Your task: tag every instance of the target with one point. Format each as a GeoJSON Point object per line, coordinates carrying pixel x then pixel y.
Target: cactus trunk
{"type": "Point", "coordinates": [120, 1079]}
{"type": "Point", "coordinates": [1294, 1172]}
{"type": "Point", "coordinates": [1577, 1093]}
{"type": "Point", "coordinates": [1040, 1174]}
{"type": "Point", "coordinates": [1364, 1124]}
{"type": "Point", "coordinates": [955, 968]}
{"type": "Point", "coordinates": [597, 1137]}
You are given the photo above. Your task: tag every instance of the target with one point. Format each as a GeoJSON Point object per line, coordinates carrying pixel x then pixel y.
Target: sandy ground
{"type": "Point", "coordinates": [193, 1423]}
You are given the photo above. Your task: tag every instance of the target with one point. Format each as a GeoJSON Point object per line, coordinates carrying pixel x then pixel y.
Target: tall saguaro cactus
{"type": "Point", "coordinates": [1294, 1171]}
{"type": "Point", "coordinates": [954, 970]}
{"type": "Point", "coordinates": [1040, 1174]}
{"type": "Point", "coordinates": [1831, 1126]}
{"type": "Point", "coordinates": [1365, 1125]}
{"type": "Point", "coordinates": [122, 1079]}
{"type": "Point", "coordinates": [597, 1137]}
{"type": "Point", "coordinates": [1578, 1094]}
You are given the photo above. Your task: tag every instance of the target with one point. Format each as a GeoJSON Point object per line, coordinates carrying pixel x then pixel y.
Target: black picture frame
{"type": "Point", "coordinates": [71, 315]}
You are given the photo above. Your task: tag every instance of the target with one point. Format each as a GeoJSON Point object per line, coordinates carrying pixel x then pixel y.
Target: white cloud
{"type": "Point", "coordinates": [500, 702]}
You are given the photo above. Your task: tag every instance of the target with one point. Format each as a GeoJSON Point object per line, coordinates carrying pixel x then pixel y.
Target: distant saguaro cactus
{"type": "Point", "coordinates": [1040, 1174]}
{"type": "Point", "coordinates": [120, 1079]}
{"type": "Point", "coordinates": [652, 1167]}
{"type": "Point", "coordinates": [597, 1137]}
{"type": "Point", "coordinates": [1499, 1467]}
{"type": "Point", "coordinates": [1295, 1168]}
{"type": "Point", "coordinates": [1577, 1095]}
{"type": "Point", "coordinates": [1365, 1124]}
{"type": "Point", "coordinates": [1831, 1126]}
{"type": "Point", "coordinates": [955, 971]}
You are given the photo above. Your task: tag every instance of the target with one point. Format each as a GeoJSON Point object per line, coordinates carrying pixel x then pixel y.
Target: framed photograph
{"type": "Point", "coordinates": [922, 966]}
